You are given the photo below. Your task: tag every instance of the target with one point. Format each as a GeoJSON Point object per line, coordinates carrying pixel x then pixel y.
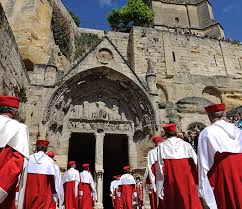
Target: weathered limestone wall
{"type": "Point", "coordinates": [188, 66]}
{"type": "Point", "coordinates": [120, 40]}
{"type": "Point", "coordinates": [147, 45]}
{"type": "Point", "coordinates": [177, 54]}
{"type": "Point", "coordinates": [165, 14]}
{"type": "Point", "coordinates": [13, 76]}
{"type": "Point", "coordinates": [193, 16]}
{"type": "Point", "coordinates": [32, 30]}
{"type": "Point", "coordinates": [31, 24]}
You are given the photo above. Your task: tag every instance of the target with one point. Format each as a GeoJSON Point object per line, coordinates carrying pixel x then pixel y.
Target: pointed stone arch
{"type": "Point", "coordinates": [112, 78]}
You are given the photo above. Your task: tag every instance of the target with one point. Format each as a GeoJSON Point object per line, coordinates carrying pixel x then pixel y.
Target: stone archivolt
{"type": "Point", "coordinates": [100, 101]}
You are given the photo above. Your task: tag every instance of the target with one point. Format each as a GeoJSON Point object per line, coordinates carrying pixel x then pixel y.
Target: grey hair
{"type": "Point", "coordinates": [216, 116]}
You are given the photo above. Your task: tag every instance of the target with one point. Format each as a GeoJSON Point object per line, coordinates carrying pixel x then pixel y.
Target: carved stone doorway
{"type": "Point", "coordinates": [115, 156]}
{"type": "Point", "coordinates": [99, 101]}
{"type": "Point", "coordinates": [82, 149]}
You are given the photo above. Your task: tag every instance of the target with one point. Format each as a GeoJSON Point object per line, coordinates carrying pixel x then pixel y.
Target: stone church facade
{"type": "Point", "coordinates": [103, 105]}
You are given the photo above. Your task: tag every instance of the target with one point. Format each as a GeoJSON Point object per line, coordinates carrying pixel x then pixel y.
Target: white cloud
{"type": "Point", "coordinates": [105, 3]}
{"type": "Point", "coordinates": [229, 8]}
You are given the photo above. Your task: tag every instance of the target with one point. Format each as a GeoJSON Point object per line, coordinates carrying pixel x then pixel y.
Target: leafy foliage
{"type": "Point", "coordinates": [61, 32]}
{"type": "Point", "coordinates": [134, 13]}
{"type": "Point", "coordinates": [84, 42]}
{"type": "Point", "coordinates": [75, 18]}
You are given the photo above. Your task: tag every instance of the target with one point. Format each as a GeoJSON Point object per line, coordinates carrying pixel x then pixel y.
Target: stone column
{"type": "Point", "coordinates": [132, 151]}
{"type": "Point", "coordinates": [99, 168]}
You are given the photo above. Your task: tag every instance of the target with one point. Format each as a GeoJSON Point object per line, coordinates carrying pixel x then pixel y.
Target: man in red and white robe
{"type": "Point", "coordinates": [140, 193]}
{"type": "Point", "coordinates": [117, 194]}
{"type": "Point", "coordinates": [71, 182]}
{"type": "Point", "coordinates": [150, 173]}
{"type": "Point", "coordinates": [14, 152]}
{"type": "Point", "coordinates": [220, 161]}
{"type": "Point", "coordinates": [112, 195]}
{"type": "Point", "coordinates": [87, 189]}
{"type": "Point", "coordinates": [176, 179]}
{"type": "Point", "coordinates": [43, 180]}
{"type": "Point", "coordinates": [127, 187]}
{"type": "Point", "coordinates": [58, 199]}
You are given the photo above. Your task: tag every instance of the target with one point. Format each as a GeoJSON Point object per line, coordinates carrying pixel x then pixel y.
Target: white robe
{"type": "Point", "coordinates": [116, 184]}
{"type": "Point", "coordinates": [16, 135]}
{"type": "Point", "coordinates": [151, 160]}
{"type": "Point", "coordinates": [72, 175]}
{"type": "Point", "coordinates": [171, 148]}
{"type": "Point", "coordinates": [221, 137]}
{"type": "Point", "coordinates": [112, 186]}
{"type": "Point", "coordinates": [86, 177]}
{"type": "Point", "coordinates": [40, 163]}
{"type": "Point", "coordinates": [127, 179]}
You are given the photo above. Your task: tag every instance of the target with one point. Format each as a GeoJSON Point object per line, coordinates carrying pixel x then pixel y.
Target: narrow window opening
{"type": "Point", "coordinates": [215, 60]}
{"type": "Point", "coordinates": [174, 56]}
{"type": "Point", "coordinates": [240, 63]}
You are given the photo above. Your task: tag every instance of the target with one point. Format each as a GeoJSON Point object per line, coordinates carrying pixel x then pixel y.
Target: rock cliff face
{"type": "Point", "coordinates": [31, 24]}
{"type": "Point", "coordinates": [13, 76]}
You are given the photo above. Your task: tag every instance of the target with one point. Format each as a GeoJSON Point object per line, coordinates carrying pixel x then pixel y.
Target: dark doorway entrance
{"type": "Point", "coordinates": [115, 157]}
{"type": "Point", "coordinates": [82, 149]}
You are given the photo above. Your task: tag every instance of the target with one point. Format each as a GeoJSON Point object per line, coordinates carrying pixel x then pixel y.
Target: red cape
{"type": "Point", "coordinates": [127, 195]}
{"type": "Point", "coordinates": [38, 192]}
{"type": "Point", "coordinates": [11, 165]}
{"type": "Point", "coordinates": [180, 177]}
{"type": "Point", "coordinates": [226, 178]}
{"type": "Point", "coordinates": [86, 200]}
{"type": "Point", "coordinates": [71, 202]}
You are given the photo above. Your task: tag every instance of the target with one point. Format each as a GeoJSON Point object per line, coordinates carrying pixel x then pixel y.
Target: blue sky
{"type": "Point", "coordinates": [93, 13]}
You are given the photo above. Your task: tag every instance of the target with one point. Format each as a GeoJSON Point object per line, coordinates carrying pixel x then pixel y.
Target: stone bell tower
{"type": "Point", "coordinates": [193, 16]}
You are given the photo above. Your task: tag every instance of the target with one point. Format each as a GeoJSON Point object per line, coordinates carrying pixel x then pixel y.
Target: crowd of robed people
{"type": "Point", "coordinates": [177, 178]}
{"type": "Point", "coordinates": [35, 181]}
{"type": "Point", "coordinates": [173, 170]}
{"type": "Point", "coordinates": [126, 191]}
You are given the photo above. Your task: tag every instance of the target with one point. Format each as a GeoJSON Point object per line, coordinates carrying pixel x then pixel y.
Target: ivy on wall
{"type": "Point", "coordinates": [84, 42]}
{"type": "Point", "coordinates": [61, 32]}
{"type": "Point", "coordinates": [75, 18]}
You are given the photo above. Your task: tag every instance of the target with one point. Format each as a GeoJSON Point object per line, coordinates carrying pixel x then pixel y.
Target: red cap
{"type": "Point", "coordinates": [126, 168]}
{"type": "Point", "coordinates": [85, 166]}
{"type": "Point", "coordinates": [43, 142]}
{"type": "Point", "coordinates": [118, 176]}
{"type": "Point", "coordinates": [9, 101]}
{"type": "Point", "coordinates": [115, 177]}
{"type": "Point", "coordinates": [51, 154]}
{"type": "Point", "coordinates": [71, 163]}
{"type": "Point", "coordinates": [157, 139]}
{"type": "Point", "coordinates": [215, 108]}
{"type": "Point", "coordinates": [169, 128]}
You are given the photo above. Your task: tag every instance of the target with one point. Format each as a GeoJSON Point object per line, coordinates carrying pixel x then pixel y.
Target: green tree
{"type": "Point", "coordinates": [134, 13]}
{"type": "Point", "coordinates": [114, 18]}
